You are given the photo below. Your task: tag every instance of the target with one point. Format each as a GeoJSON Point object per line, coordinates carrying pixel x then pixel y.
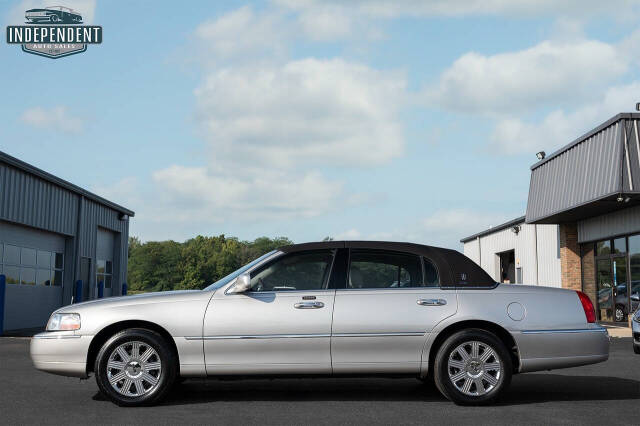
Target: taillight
{"type": "Point", "coordinates": [589, 311]}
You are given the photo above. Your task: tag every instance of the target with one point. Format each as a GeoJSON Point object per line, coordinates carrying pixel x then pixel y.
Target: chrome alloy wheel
{"type": "Point", "coordinates": [474, 368]}
{"type": "Point", "coordinates": [134, 368]}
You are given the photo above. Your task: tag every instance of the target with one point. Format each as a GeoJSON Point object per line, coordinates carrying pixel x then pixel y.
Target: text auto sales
{"type": "Point", "coordinates": [54, 34]}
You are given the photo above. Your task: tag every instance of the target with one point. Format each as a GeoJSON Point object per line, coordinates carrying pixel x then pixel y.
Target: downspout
{"type": "Point", "coordinates": [535, 242]}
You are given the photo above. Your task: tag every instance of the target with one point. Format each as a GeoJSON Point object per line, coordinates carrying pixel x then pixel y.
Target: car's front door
{"type": "Point", "coordinates": [391, 302]}
{"type": "Point", "coordinates": [283, 325]}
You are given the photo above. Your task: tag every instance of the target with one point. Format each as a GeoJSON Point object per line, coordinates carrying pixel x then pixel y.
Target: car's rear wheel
{"type": "Point", "coordinates": [636, 349]}
{"type": "Point", "coordinates": [472, 367]}
{"type": "Point", "coordinates": [135, 367]}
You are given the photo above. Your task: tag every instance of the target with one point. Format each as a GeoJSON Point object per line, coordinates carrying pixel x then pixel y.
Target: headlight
{"type": "Point", "coordinates": [60, 322]}
{"type": "Point", "coordinates": [636, 316]}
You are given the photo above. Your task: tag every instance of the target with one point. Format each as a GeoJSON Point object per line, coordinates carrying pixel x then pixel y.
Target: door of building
{"type": "Point", "coordinates": [612, 280]}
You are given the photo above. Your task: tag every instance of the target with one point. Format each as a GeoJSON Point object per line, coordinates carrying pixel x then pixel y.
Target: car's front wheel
{"type": "Point", "coordinates": [135, 367]}
{"type": "Point", "coordinates": [472, 367]}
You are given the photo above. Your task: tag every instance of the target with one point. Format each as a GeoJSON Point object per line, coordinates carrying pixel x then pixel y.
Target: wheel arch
{"type": "Point", "coordinates": [103, 335]}
{"type": "Point", "coordinates": [500, 332]}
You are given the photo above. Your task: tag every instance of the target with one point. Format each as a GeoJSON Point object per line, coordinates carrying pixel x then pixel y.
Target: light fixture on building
{"type": "Point", "coordinates": [515, 229]}
{"type": "Point", "coordinates": [541, 155]}
{"type": "Point", "coordinates": [123, 216]}
{"type": "Point", "coordinates": [638, 106]}
{"type": "Point", "coordinates": [619, 199]}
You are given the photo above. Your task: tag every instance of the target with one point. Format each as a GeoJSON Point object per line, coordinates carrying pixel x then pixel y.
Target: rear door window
{"type": "Point", "coordinates": [372, 269]}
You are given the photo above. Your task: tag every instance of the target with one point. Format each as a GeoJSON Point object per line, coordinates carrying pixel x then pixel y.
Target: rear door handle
{"type": "Point", "coordinates": [432, 302]}
{"type": "Point", "coordinates": [309, 305]}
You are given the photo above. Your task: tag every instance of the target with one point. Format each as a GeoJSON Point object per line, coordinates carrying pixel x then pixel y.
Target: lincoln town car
{"type": "Point", "coordinates": [335, 308]}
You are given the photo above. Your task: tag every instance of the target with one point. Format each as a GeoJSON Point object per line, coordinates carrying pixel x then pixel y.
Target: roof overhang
{"type": "Point", "coordinates": [28, 168]}
{"type": "Point", "coordinates": [587, 177]}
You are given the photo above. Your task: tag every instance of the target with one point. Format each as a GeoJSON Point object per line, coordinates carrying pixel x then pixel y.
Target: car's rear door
{"type": "Point", "coordinates": [390, 302]}
{"type": "Point", "coordinates": [282, 325]}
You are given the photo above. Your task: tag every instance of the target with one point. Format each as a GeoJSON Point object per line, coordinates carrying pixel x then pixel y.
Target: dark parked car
{"type": "Point", "coordinates": [54, 15]}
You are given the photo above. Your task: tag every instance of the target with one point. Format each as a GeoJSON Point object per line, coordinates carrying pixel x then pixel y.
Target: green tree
{"type": "Point", "coordinates": [194, 264]}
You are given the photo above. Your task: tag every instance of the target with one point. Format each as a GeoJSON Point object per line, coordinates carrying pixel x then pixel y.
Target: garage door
{"type": "Point", "coordinates": [33, 263]}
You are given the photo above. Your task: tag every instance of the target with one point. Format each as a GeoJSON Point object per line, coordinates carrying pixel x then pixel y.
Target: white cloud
{"type": "Point", "coordinates": [549, 73]}
{"type": "Point", "coordinates": [516, 136]}
{"type": "Point", "coordinates": [309, 111]}
{"type": "Point", "coordinates": [272, 129]}
{"type": "Point", "coordinates": [56, 118]}
{"type": "Point", "coordinates": [242, 33]}
{"type": "Point", "coordinates": [201, 194]}
{"type": "Point", "coordinates": [86, 8]}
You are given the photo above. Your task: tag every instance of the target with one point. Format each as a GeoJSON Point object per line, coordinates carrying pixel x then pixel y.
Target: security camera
{"type": "Point", "coordinates": [541, 155]}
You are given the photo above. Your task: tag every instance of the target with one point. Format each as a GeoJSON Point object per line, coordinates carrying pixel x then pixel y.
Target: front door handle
{"type": "Point", "coordinates": [432, 302]}
{"type": "Point", "coordinates": [309, 305]}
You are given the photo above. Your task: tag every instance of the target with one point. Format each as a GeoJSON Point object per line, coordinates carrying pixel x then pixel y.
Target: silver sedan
{"type": "Point", "coordinates": [330, 308]}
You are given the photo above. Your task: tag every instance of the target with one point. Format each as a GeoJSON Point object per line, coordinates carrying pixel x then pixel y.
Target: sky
{"type": "Point", "coordinates": [389, 120]}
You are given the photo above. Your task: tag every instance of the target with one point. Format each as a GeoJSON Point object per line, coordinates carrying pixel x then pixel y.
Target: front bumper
{"type": "Point", "coordinates": [61, 353]}
{"type": "Point", "coordinates": [561, 348]}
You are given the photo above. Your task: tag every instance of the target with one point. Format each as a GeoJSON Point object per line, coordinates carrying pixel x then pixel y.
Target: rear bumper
{"type": "Point", "coordinates": [561, 348]}
{"type": "Point", "coordinates": [60, 353]}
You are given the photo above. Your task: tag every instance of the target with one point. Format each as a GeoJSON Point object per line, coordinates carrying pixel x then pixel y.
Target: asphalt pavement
{"type": "Point", "coordinates": [606, 393]}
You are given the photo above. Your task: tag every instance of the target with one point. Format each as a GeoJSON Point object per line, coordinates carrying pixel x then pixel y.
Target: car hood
{"type": "Point", "coordinates": [139, 299]}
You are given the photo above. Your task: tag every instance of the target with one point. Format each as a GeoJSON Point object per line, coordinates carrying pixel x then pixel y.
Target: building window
{"type": "Point", "coordinates": [29, 266]}
{"type": "Point", "coordinates": [603, 248]}
{"type": "Point", "coordinates": [104, 272]}
{"type": "Point", "coordinates": [619, 246]}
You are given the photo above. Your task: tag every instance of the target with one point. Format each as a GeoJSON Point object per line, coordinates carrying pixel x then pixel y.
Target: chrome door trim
{"type": "Point", "coordinates": [568, 330]}
{"type": "Point", "coordinates": [391, 334]}
{"type": "Point", "coordinates": [306, 336]}
{"type": "Point", "coordinates": [258, 336]}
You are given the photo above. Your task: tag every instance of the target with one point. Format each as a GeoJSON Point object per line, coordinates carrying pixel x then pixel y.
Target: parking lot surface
{"type": "Point", "coordinates": [607, 393]}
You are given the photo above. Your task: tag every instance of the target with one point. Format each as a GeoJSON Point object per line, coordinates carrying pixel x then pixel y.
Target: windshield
{"type": "Point", "coordinates": [222, 281]}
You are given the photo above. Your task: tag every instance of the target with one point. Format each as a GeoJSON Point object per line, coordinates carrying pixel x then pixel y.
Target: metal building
{"type": "Point", "coordinates": [589, 191]}
{"type": "Point", "coordinates": [517, 252]}
{"type": "Point", "coordinates": [53, 233]}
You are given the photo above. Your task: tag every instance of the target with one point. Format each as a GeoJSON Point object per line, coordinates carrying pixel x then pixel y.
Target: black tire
{"type": "Point", "coordinates": [636, 349]}
{"type": "Point", "coordinates": [165, 375]}
{"type": "Point", "coordinates": [499, 357]}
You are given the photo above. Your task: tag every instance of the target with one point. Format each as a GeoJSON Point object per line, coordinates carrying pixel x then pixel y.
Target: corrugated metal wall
{"type": "Point", "coordinates": [524, 245]}
{"type": "Point", "coordinates": [587, 171]}
{"type": "Point", "coordinates": [622, 222]}
{"type": "Point", "coordinates": [30, 201]}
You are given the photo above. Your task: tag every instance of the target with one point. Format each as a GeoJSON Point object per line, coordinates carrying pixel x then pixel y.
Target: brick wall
{"type": "Point", "coordinates": [570, 264]}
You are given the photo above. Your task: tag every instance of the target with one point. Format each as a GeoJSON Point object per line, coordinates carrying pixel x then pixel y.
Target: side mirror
{"type": "Point", "coordinates": [242, 284]}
